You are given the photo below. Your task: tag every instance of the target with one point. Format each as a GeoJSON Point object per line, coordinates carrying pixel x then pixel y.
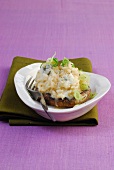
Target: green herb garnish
{"type": "Point", "coordinates": [53, 61]}
{"type": "Point", "coordinates": [84, 86]}
{"type": "Point", "coordinates": [77, 95]}
{"type": "Point", "coordinates": [65, 62]}
{"type": "Point", "coordinates": [92, 95]}
{"type": "Point", "coordinates": [73, 65]}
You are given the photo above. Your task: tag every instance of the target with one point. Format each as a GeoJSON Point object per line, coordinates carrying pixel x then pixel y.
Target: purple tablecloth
{"type": "Point", "coordinates": [72, 28]}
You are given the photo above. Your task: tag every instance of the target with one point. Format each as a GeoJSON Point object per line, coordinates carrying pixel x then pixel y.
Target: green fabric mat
{"type": "Point", "coordinates": [14, 111]}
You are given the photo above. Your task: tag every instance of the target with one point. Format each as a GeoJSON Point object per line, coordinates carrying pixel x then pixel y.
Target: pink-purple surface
{"type": "Point", "coordinates": [72, 28]}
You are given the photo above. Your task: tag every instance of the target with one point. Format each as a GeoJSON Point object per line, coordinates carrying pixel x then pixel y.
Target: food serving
{"type": "Point", "coordinates": [97, 84]}
{"type": "Point", "coordinates": [62, 84]}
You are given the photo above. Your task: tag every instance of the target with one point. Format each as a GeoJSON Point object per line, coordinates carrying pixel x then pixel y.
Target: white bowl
{"type": "Point", "coordinates": [98, 84]}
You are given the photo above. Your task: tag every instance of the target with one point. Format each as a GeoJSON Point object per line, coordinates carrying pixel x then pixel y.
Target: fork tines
{"type": "Point", "coordinates": [30, 84]}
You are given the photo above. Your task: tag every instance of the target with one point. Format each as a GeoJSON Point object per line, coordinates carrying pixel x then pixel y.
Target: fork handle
{"type": "Point", "coordinates": [43, 103]}
{"type": "Point", "coordinates": [49, 115]}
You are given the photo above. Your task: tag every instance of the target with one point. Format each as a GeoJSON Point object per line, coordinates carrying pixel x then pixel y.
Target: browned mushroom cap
{"type": "Point", "coordinates": [66, 103]}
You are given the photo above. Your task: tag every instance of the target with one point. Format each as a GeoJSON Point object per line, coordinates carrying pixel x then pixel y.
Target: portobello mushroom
{"type": "Point", "coordinates": [67, 103]}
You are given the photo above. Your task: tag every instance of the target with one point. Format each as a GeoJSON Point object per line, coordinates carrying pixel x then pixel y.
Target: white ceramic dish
{"type": "Point", "coordinates": [98, 84]}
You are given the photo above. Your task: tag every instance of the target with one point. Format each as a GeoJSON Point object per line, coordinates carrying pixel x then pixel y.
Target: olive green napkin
{"type": "Point", "coordinates": [14, 111]}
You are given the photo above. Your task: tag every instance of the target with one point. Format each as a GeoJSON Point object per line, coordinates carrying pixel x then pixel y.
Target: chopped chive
{"type": "Point", "coordinates": [65, 62]}
{"type": "Point", "coordinates": [77, 95]}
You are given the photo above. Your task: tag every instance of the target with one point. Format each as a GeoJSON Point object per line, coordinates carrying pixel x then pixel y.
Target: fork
{"type": "Point", "coordinates": [35, 95]}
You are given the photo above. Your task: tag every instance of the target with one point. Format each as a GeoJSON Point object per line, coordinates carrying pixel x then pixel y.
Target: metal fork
{"type": "Point", "coordinates": [35, 95]}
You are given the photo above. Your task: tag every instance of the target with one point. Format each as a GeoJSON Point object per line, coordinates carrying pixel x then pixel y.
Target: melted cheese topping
{"type": "Point", "coordinates": [59, 81]}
